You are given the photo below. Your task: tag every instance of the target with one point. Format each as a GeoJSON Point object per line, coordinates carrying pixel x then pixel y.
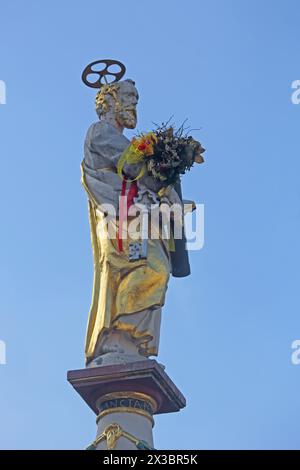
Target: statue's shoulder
{"type": "Point", "coordinates": [96, 130]}
{"type": "Point", "coordinates": [105, 132]}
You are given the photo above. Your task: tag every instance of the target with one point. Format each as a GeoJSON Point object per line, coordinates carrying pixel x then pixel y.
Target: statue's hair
{"type": "Point", "coordinates": [109, 89]}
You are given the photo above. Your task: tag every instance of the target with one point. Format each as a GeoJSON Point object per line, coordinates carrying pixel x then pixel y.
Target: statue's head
{"type": "Point", "coordinates": [118, 99]}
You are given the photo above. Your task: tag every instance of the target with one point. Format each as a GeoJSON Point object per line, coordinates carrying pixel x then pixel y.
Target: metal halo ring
{"type": "Point", "coordinates": [102, 74]}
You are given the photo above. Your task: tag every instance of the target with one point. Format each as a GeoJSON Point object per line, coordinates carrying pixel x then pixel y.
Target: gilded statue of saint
{"type": "Point", "coordinates": [125, 314]}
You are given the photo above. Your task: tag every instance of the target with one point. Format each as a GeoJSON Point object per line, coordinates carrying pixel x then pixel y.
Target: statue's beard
{"type": "Point", "coordinates": [127, 117]}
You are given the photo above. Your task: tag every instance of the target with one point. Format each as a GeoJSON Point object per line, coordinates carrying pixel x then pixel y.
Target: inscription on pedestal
{"type": "Point", "coordinates": [126, 403]}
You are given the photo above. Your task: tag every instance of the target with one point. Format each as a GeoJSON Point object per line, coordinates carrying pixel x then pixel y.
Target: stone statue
{"type": "Point", "coordinates": [125, 314]}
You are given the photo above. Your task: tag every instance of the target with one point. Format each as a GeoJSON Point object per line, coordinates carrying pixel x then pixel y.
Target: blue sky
{"type": "Point", "coordinates": [227, 66]}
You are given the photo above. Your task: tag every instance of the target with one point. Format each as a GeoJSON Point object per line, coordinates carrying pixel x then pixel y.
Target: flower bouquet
{"type": "Point", "coordinates": [165, 154]}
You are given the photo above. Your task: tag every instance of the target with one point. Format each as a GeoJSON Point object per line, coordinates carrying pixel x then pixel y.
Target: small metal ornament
{"type": "Point", "coordinates": [102, 73]}
{"type": "Point", "coordinates": [144, 201]}
{"type": "Point", "coordinates": [138, 250]}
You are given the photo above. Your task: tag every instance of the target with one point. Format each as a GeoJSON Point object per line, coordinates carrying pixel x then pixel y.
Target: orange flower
{"type": "Point", "coordinates": [142, 146]}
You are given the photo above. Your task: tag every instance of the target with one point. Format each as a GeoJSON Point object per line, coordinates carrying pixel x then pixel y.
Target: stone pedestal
{"type": "Point", "coordinates": [125, 397]}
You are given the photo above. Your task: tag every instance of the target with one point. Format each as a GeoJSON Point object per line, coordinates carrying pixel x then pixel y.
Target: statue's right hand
{"type": "Point", "coordinates": [149, 182]}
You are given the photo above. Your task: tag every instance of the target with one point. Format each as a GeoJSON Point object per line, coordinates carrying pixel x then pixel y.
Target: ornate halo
{"type": "Point", "coordinates": [102, 73]}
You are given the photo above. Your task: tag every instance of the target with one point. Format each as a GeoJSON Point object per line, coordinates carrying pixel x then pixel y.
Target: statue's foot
{"type": "Point", "coordinates": [111, 358]}
{"type": "Point", "coordinates": [118, 348]}
{"type": "Point", "coordinates": [112, 348]}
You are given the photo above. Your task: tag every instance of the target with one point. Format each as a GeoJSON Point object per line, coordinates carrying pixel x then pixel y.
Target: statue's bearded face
{"type": "Point", "coordinates": [125, 107]}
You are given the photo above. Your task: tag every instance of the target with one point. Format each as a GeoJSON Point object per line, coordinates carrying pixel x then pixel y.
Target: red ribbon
{"type": "Point", "coordinates": [132, 193]}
